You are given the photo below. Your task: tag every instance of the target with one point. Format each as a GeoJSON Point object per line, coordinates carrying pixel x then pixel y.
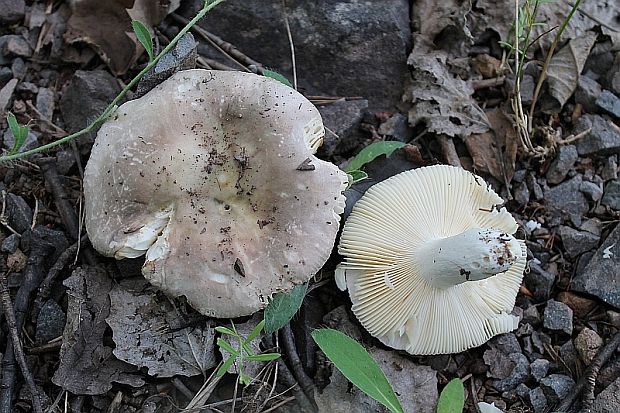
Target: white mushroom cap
{"type": "Point", "coordinates": [430, 261]}
{"type": "Point", "coordinates": [213, 176]}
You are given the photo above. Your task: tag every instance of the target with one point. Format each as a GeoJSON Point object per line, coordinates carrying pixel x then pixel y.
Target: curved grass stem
{"type": "Point", "coordinates": [208, 6]}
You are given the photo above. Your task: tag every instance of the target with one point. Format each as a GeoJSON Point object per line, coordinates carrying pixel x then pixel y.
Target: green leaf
{"type": "Point", "coordinates": [19, 133]}
{"type": "Point", "coordinates": [283, 307]}
{"type": "Point", "coordinates": [223, 344]}
{"type": "Point", "coordinates": [255, 332]}
{"type": "Point", "coordinates": [263, 357]}
{"type": "Point", "coordinates": [225, 366]}
{"type": "Point", "coordinates": [277, 76]}
{"type": "Point", "coordinates": [357, 176]}
{"type": "Point", "coordinates": [244, 378]}
{"type": "Point", "coordinates": [452, 397]}
{"type": "Point", "coordinates": [144, 37]}
{"type": "Point", "coordinates": [371, 152]}
{"type": "Point", "coordinates": [357, 366]}
{"type": "Point", "coordinates": [225, 330]}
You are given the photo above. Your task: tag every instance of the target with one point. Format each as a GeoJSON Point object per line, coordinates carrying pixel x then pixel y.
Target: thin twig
{"type": "Point", "coordinates": [18, 349]}
{"type": "Point", "coordinates": [46, 285]}
{"type": "Point", "coordinates": [290, 41]}
{"type": "Point", "coordinates": [487, 83]}
{"type": "Point", "coordinates": [590, 374]}
{"type": "Point", "coordinates": [288, 342]}
{"type": "Point", "coordinates": [449, 150]}
{"type": "Point", "coordinates": [227, 49]}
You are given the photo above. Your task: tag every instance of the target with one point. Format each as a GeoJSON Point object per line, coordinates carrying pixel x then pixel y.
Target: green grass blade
{"type": "Point", "coordinates": [144, 37]}
{"type": "Point", "coordinates": [223, 344]}
{"type": "Point", "coordinates": [371, 152]}
{"type": "Point", "coordinates": [225, 366]}
{"type": "Point", "coordinates": [263, 357]}
{"type": "Point", "coordinates": [225, 330]}
{"type": "Point", "coordinates": [255, 332]}
{"type": "Point", "coordinates": [19, 133]}
{"type": "Point", "coordinates": [357, 366]}
{"type": "Point", "coordinates": [452, 397]}
{"type": "Point", "coordinates": [277, 76]}
{"type": "Point", "coordinates": [283, 307]}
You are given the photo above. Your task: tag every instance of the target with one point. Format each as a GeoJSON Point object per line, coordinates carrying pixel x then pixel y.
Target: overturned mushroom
{"type": "Point", "coordinates": [212, 176]}
{"type": "Point", "coordinates": [430, 261]}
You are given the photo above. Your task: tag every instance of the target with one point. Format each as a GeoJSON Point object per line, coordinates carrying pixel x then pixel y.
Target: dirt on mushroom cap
{"type": "Point", "coordinates": [203, 172]}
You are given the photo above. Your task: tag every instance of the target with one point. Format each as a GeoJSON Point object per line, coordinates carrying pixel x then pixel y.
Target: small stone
{"type": "Point", "coordinates": [519, 175]}
{"type": "Point", "coordinates": [10, 243]}
{"type": "Point", "coordinates": [397, 126]}
{"type": "Point", "coordinates": [535, 188]}
{"type": "Point", "coordinates": [16, 261]}
{"type": "Point", "coordinates": [611, 196]}
{"type": "Point", "coordinates": [506, 343]}
{"type": "Point", "coordinates": [610, 168]}
{"type": "Point", "coordinates": [45, 102]}
{"type": "Point", "coordinates": [521, 193]}
{"type": "Point", "coordinates": [18, 213]}
{"type": "Point", "coordinates": [591, 190]}
{"type": "Point", "coordinates": [86, 96]}
{"type": "Point", "coordinates": [558, 317]}
{"type": "Point", "coordinates": [556, 387]}
{"type": "Point", "coordinates": [577, 242]}
{"type": "Point", "coordinates": [567, 199]}
{"type": "Point", "coordinates": [531, 315]}
{"type": "Point", "coordinates": [569, 354]}
{"type": "Point", "coordinates": [522, 390]}
{"type": "Point", "coordinates": [613, 75]}
{"type": "Point", "coordinates": [609, 103]}
{"type": "Point", "coordinates": [588, 90]}
{"type": "Point", "coordinates": [12, 11]}
{"type": "Point", "coordinates": [518, 374]}
{"type": "Point", "coordinates": [603, 139]}
{"type": "Point", "coordinates": [27, 87]}
{"type": "Point", "coordinates": [564, 160]}
{"type": "Point", "coordinates": [19, 68]}
{"type": "Point", "coordinates": [539, 368]}
{"type": "Point", "coordinates": [6, 74]}
{"type": "Point", "coordinates": [539, 281]}
{"type": "Point", "coordinates": [6, 94]}
{"type": "Point", "coordinates": [538, 400]}
{"type": "Point", "coordinates": [592, 225]}
{"type": "Point", "coordinates": [50, 322]}
{"type": "Point", "coordinates": [608, 401]}
{"type": "Point", "coordinates": [181, 57]}
{"type": "Point", "coordinates": [581, 306]}
{"type": "Point", "coordinates": [587, 344]}
{"type": "Point", "coordinates": [16, 45]}
{"type": "Point", "coordinates": [342, 118]}
{"type": "Point", "coordinates": [614, 318]}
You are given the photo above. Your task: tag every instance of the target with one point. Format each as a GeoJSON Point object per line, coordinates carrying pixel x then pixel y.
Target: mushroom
{"type": "Point", "coordinates": [430, 261]}
{"type": "Point", "coordinates": [212, 176]}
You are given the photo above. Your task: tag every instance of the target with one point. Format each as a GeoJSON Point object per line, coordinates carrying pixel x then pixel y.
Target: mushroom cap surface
{"type": "Point", "coordinates": [213, 176]}
{"type": "Point", "coordinates": [393, 295]}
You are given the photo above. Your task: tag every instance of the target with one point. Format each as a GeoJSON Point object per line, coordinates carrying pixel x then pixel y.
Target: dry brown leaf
{"type": "Point", "coordinates": [149, 332]}
{"type": "Point", "coordinates": [499, 17]}
{"type": "Point", "coordinates": [441, 100]}
{"type": "Point", "coordinates": [495, 151]}
{"type": "Point", "coordinates": [106, 26]}
{"type": "Point", "coordinates": [564, 70]}
{"type": "Point", "coordinates": [87, 366]}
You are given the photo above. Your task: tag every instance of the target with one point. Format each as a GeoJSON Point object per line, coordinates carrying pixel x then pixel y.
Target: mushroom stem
{"type": "Point", "coordinates": [473, 255]}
